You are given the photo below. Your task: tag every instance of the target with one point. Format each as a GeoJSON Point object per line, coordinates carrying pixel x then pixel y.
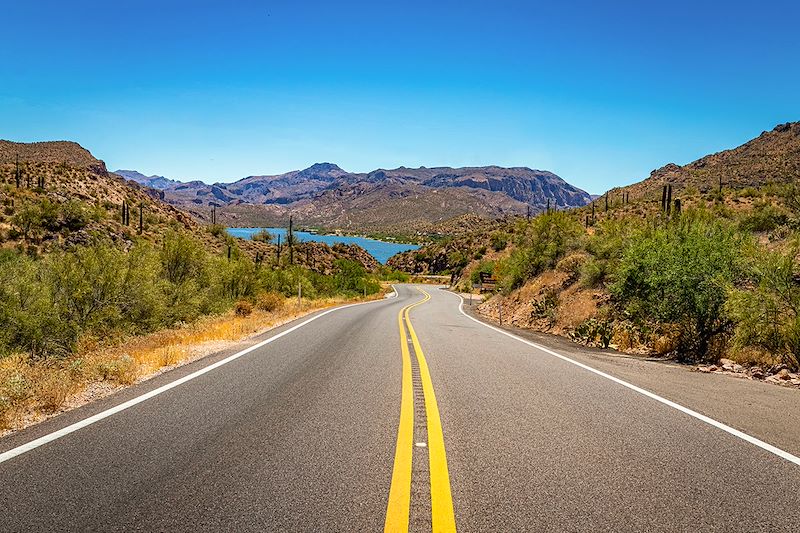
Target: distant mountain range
{"type": "Point", "coordinates": [154, 182]}
{"type": "Point", "coordinates": [398, 200]}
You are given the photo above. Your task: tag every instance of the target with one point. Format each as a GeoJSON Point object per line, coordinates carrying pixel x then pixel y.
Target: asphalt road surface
{"type": "Point", "coordinates": [382, 416]}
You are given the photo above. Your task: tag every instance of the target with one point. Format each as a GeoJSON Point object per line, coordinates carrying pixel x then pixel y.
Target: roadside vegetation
{"type": "Point", "coordinates": [719, 279]}
{"type": "Point", "coordinates": [83, 315]}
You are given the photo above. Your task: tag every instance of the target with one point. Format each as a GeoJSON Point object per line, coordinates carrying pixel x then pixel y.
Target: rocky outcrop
{"type": "Point", "coordinates": [772, 157]}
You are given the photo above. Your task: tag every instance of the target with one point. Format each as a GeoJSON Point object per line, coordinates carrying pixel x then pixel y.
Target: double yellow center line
{"type": "Point", "coordinates": [397, 511]}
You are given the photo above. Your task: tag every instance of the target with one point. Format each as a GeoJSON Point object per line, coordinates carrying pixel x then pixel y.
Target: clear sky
{"type": "Point", "coordinates": [599, 94]}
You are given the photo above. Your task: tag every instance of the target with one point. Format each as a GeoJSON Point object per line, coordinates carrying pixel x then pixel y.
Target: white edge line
{"type": "Point", "coordinates": [719, 425]}
{"type": "Point", "coordinates": [50, 437]}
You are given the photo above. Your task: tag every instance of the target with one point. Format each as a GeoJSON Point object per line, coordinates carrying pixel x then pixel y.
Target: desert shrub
{"type": "Point", "coordinates": [351, 277]}
{"type": "Point", "coordinates": [484, 267]}
{"type": "Point", "coordinates": [681, 274]}
{"type": "Point", "coordinates": [456, 261]}
{"type": "Point", "coordinates": [611, 237]}
{"type": "Point", "coordinates": [545, 307]}
{"type": "Point", "coordinates": [32, 219]}
{"type": "Point", "coordinates": [594, 332]}
{"type": "Point", "coordinates": [270, 301]}
{"type": "Point", "coordinates": [572, 265]}
{"type": "Point", "coordinates": [540, 244]}
{"type": "Point", "coordinates": [764, 217]}
{"type": "Point", "coordinates": [185, 266]}
{"type": "Point", "coordinates": [235, 278]}
{"type": "Point", "coordinates": [594, 272]}
{"type": "Point", "coordinates": [385, 273]}
{"type": "Point", "coordinates": [243, 308]}
{"type": "Point", "coordinates": [499, 240]}
{"type": "Point", "coordinates": [768, 316]}
{"type": "Point", "coordinates": [73, 216]}
{"type": "Point", "coordinates": [218, 230]}
{"type": "Point", "coordinates": [52, 389]}
{"type": "Point", "coordinates": [123, 370]}
{"type": "Point", "coordinates": [750, 192]}
{"type": "Point", "coordinates": [262, 236]}
{"type": "Point", "coordinates": [287, 280]}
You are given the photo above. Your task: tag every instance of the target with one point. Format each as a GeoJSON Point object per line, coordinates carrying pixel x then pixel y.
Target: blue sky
{"type": "Point", "coordinates": [599, 94]}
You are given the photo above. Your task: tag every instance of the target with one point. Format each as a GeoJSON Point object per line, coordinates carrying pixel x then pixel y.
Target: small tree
{"type": "Point", "coordinates": [262, 236]}
{"type": "Point", "coordinates": [768, 316]}
{"type": "Point", "coordinates": [681, 274]}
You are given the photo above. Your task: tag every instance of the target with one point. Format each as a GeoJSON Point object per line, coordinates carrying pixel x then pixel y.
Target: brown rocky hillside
{"type": "Point", "coordinates": [772, 157]}
{"type": "Point", "coordinates": [66, 197]}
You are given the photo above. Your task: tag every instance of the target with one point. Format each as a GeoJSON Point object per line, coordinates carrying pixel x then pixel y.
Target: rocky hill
{"type": "Point", "coordinates": [402, 200]}
{"type": "Point", "coordinates": [772, 157]}
{"type": "Point", "coordinates": [56, 195]}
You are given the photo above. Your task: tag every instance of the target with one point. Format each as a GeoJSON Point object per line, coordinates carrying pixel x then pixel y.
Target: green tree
{"type": "Point", "coordinates": [540, 243]}
{"type": "Point", "coordinates": [681, 274]}
{"type": "Point", "coordinates": [767, 316]}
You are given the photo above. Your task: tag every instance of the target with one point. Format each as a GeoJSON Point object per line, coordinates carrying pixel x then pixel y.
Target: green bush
{"type": "Point", "coordinates": [218, 230]}
{"type": "Point", "coordinates": [47, 305]}
{"type": "Point", "coordinates": [764, 217]}
{"type": "Point", "coordinates": [681, 274]}
{"type": "Point", "coordinates": [386, 273]}
{"type": "Point", "coordinates": [768, 316]}
{"type": "Point", "coordinates": [540, 244]}
{"type": "Point", "coordinates": [499, 240]}
{"type": "Point", "coordinates": [485, 267]}
{"type": "Point", "coordinates": [594, 272]}
{"type": "Point", "coordinates": [262, 236]}
{"type": "Point", "coordinates": [351, 278]}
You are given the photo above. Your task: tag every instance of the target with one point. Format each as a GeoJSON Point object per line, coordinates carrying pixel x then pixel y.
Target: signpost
{"type": "Point", "coordinates": [488, 283]}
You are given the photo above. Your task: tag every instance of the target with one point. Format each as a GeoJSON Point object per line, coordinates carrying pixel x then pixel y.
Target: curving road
{"type": "Point", "coordinates": [368, 417]}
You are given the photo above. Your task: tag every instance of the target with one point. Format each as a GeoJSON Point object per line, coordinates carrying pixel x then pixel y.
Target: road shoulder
{"type": "Point", "coordinates": [765, 411]}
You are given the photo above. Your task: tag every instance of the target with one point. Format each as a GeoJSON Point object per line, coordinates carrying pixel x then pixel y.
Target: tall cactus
{"type": "Point", "coordinates": [669, 198]}
{"type": "Point", "coordinates": [18, 174]}
{"type": "Point", "coordinates": [290, 241]}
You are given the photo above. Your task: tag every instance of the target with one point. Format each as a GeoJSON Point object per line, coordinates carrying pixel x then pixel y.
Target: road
{"type": "Point", "coordinates": [383, 417]}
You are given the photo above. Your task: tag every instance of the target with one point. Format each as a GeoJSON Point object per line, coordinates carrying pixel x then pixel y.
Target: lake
{"type": "Point", "coordinates": [380, 250]}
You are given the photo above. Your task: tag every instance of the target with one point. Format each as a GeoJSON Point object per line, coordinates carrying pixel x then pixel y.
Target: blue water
{"type": "Point", "coordinates": [380, 250]}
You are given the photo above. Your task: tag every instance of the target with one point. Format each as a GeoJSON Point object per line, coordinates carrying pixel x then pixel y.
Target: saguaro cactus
{"type": "Point", "coordinates": [18, 174]}
{"type": "Point", "coordinates": [669, 198]}
{"type": "Point", "coordinates": [290, 241]}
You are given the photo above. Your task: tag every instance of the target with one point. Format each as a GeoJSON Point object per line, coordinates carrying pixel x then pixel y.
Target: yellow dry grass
{"type": "Point", "coordinates": [32, 390]}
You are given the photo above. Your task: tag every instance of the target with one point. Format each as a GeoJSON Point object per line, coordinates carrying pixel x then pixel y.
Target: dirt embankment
{"type": "Point", "coordinates": [556, 303]}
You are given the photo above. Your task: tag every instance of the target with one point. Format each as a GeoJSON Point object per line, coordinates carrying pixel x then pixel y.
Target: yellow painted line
{"type": "Point", "coordinates": [400, 491]}
{"type": "Point", "coordinates": [442, 515]}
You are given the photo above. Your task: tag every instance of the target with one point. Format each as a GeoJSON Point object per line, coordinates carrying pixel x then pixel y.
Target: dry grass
{"type": "Point", "coordinates": [31, 390]}
{"type": "Point", "coordinates": [753, 357]}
